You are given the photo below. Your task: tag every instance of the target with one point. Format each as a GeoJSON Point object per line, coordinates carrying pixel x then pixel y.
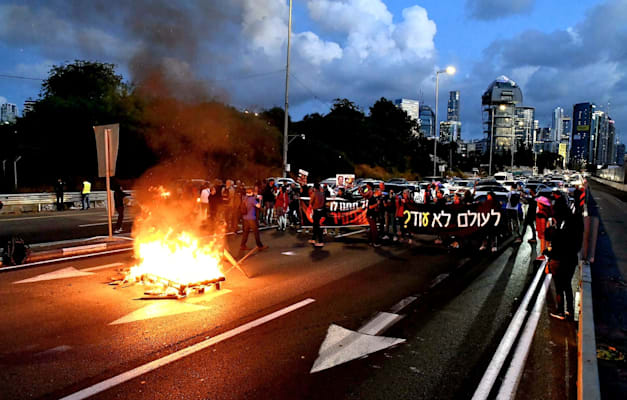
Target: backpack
{"type": "Point", "coordinates": [17, 251]}
{"type": "Point", "coordinates": [514, 199]}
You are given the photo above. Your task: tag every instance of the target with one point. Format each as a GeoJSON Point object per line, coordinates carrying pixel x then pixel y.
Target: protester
{"type": "Point", "coordinates": [543, 213]}
{"type": "Point", "coordinates": [317, 202]}
{"type": "Point", "coordinates": [85, 191]}
{"type": "Point", "coordinates": [402, 201]}
{"type": "Point", "coordinates": [214, 207]}
{"type": "Point", "coordinates": [252, 206]}
{"type": "Point", "coordinates": [371, 214]}
{"type": "Point", "coordinates": [490, 204]}
{"type": "Point", "coordinates": [294, 208]}
{"type": "Point", "coordinates": [59, 188]}
{"type": "Point", "coordinates": [204, 201]}
{"type": "Point", "coordinates": [269, 198]}
{"type": "Point", "coordinates": [281, 207]}
{"type": "Point", "coordinates": [530, 216]}
{"type": "Point", "coordinates": [565, 243]}
{"type": "Point", "coordinates": [511, 210]}
{"type": "Point", "coordinates": [389, 205]}
{"type": "Point", "coordinates": [228, 203]}
{"type": "Point", "coordinates": [118, 199]}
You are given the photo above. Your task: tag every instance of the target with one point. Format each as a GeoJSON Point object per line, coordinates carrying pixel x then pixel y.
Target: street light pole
{"type": "Point", "coordinates": [287, 86]}
{"type": "Point", "coordinates": [449, 70]}
{"type": "Point", "coordinates": [493, 108]}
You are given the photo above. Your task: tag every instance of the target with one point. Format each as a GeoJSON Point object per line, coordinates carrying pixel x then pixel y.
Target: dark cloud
{"type": "Point", "coordinates": [495, 9]}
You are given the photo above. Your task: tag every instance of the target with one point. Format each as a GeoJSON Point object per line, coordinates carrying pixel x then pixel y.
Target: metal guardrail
{"type": "Point", "coordinates": [47, 198]}
{"type": "Point", "coordinates": [37, 202]}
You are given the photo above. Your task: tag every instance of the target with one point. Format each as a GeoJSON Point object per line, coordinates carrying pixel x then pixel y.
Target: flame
{"type": "Point", "coordinates": [179, 258]}
{"type": "Point", "coordinates": [160, 191]}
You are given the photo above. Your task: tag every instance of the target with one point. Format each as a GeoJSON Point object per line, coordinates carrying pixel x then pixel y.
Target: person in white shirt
{"type": "Point", "coordinates": [204, 201]}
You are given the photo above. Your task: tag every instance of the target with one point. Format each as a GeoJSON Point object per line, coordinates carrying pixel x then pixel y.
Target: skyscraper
{"type": "Point", "coordinates": [524, 126]}
{"type": "Point", "coordinates": [411, 107]}
{"type": "Point", "coordinates": [556, 129]}
{"type": "Point", "coordinates": [452, 113]}
{"type": "Point", "coordinates": [8, 112]}
{"type": "Point", "coordinates": [499, 102]}
{"type": "Point", "coordinates": [580, 148]}
{"type": "Point", "coordinates": [427, 121]}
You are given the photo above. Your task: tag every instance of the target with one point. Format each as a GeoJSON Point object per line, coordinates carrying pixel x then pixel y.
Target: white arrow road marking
{"type": "Point", "coordinates": [342, 345]}
{"type": "Point", "coordinates": [69, 272]}
{"type": "Point", "coordinates": [288, 253]}
{"type": "Point", "coordinates": [163, 308]}
{"type": "Point", "coordinates": [117, 264]}
{"type": "Point", "coordinates": [151, 366]}
{"type": "Point", "coordinates": [159, 309]}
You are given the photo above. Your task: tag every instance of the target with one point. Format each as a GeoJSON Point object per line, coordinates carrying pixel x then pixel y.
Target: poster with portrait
{"type": "Point", "coordinates": [345, 180]}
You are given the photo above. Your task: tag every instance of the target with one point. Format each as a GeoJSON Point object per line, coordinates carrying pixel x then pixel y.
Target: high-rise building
{"type": "Point", "coordinates": [599, 138]}
{"type": "Point", "coordinates": [611, 142]}
{"type": "Point", "coordinates": [411, 107]}
{"type": "Point", "coordinates": [620, 154]}
{"type": "Point", "coordinates": [427, 121]}
{"type": "Point", "coordinates": [452, 112]}
{"type": "Point", "coordinates": [29, 105]}
{"type": "Point", "coordinates": [8, 112]}
{"type": "Point", "coordinates": [581, 141]}
{"type": "Point", "coordinates": [524, 126]}
{"type": "Point", "coordinates": [567, 124]}
{"type": "Point", "coordinates": [450, 131]}
{"type": "Point", "coordinates": [556, 129]}
{"type": "Point", "coordinates": [499, 102]}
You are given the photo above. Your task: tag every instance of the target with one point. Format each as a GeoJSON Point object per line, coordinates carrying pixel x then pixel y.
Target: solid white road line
{"type": "Point", "coordinates": [103, 223]}
{"type": "Point", "coordinates": [97, 246]}
{"type": "Point", "coordinates": [126, 376]}
{"type": "Point", "coordinates": [494, 368]}
{"type": "Point", "coordinates": [117, 264]}
{"type": "Point", "coordinates": [403, 303]}
{"type": "Point", "coordinates": [515, 370]}
{"type": "Point", "coordinates": [380, 323]}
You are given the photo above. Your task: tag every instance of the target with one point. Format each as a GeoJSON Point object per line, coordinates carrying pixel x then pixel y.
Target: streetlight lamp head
{"type": "Point", "coordinates": [502, 107]}
{"type": "Point", "coordinates": [450, 70]}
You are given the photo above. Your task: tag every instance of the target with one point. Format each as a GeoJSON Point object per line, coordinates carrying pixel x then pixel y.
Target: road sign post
{"type": "Point", "coordinates": [107, 143]}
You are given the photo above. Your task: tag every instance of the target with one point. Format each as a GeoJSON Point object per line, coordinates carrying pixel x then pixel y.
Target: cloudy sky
{"type": "Point", "coordinates": [560, 52]}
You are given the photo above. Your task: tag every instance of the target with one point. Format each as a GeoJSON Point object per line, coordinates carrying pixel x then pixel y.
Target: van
{"type": "Point", "coordinates": [503, 176]}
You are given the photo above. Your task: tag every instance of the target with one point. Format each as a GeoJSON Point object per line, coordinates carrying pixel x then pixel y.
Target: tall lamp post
{"type": "Point", "coordinates": [449, 70]}
{"type": "Point", "coordinates": [287, 86]}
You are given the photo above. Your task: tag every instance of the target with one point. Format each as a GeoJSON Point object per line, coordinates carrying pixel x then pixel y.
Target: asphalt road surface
{"type": "Point", "coordinates": [62, 225]}
{"type": "Point", "coordinates": [259, 337]}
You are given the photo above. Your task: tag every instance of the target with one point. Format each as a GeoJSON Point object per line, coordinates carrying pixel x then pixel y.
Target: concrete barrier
{"type": "Point", "coordinates": [619, 186]}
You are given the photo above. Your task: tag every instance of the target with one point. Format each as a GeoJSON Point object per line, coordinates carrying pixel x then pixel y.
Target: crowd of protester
{"type": "Point", "coordinates": [554, 220]}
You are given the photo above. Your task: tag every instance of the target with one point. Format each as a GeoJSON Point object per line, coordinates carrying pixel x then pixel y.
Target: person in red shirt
{"type": "Point", "coordinates": [281, 206]}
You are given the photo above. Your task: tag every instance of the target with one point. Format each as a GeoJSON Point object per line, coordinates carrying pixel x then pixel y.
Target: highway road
{"type": "Point", "coordinates": [58, 226]}
{"type": "Point", "coordinates": [66, 333]}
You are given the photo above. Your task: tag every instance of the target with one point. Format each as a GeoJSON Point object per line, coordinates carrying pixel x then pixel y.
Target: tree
{"type": "Point", "coordinates": [58, 137]}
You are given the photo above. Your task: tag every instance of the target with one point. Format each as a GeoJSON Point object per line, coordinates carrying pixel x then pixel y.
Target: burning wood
{"type": "Point", "coordinates": [175, 265]}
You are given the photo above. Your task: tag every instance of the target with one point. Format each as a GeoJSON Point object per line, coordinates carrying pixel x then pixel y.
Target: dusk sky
{"type": "Point", "coordinates": [560, 52]}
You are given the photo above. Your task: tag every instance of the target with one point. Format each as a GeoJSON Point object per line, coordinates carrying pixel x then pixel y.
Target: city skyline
{"type": "Point", "coordinates": [360, 50]}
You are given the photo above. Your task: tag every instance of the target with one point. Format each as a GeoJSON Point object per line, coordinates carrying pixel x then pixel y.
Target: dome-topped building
{"type": "Point", "coordinates": [500, 101]}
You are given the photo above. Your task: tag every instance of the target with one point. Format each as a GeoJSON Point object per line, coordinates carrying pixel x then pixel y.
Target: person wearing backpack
{"type": "Point", "coordinates": [511, 209]}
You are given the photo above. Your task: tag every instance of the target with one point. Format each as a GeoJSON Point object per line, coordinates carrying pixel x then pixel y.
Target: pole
{"type": "Point", "coordinates": [491, 140]}
{"type": "Point", "coordinates": [513, 144]}
{"type": "Point", "coordinates": [108, 175]}
{"type": "Point", "coordinates": [287, 86]}
{"type": "Point", "coordinates": [435, 132]}
{"type": "Point", "coordinates": [15, 171]}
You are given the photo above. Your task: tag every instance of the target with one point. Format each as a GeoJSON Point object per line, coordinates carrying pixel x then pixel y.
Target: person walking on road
{"type": "Point", "coordinates": [530, 216]}
{"type": "Point", "coordinates": [118, 199]}
{"type": "Point", "coordinates": [317, 203]}
{"type": "Point", "coordinates": [59, 188]}
{"type": "Point", "coordinates": [511, 209]}
{"type": "Point", "coordinates": [251, 206]}
{"type": "Point", "coordinates": [85, 195]}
